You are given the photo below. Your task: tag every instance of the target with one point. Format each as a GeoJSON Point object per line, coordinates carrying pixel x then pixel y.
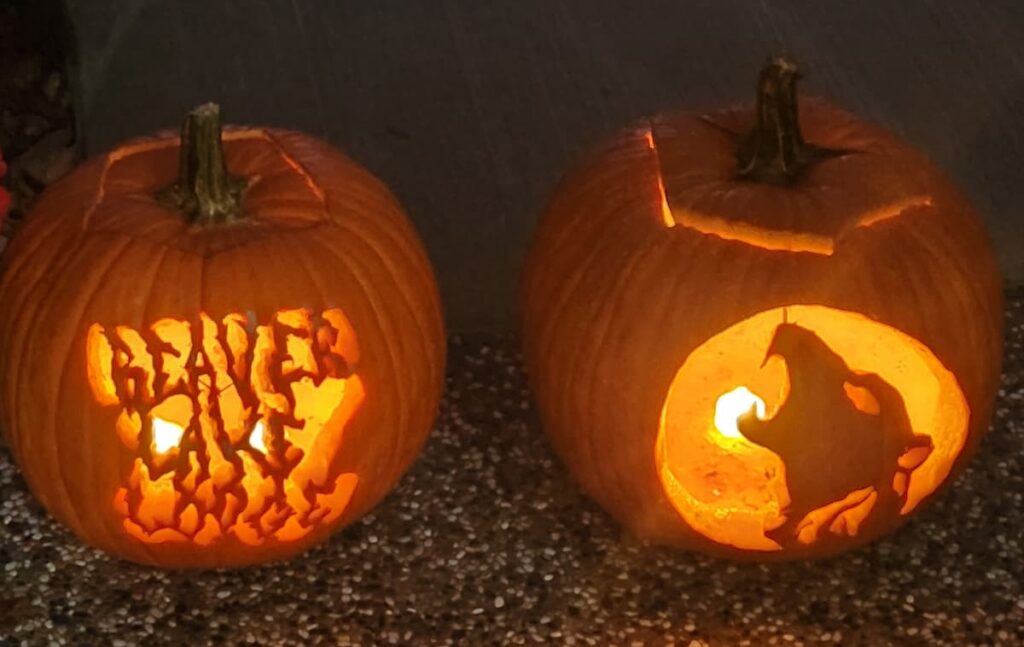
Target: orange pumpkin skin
{"type": "Point", "coordinates": [323, 257]}
{"type": "Point", "coordinates": [653, 256]}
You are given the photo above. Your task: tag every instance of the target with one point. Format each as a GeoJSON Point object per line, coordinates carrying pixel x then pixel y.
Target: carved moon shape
{"type": "Point", "coordinates": [733, 491]}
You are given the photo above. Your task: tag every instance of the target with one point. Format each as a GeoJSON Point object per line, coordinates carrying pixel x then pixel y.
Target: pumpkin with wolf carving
{"type": "Point", "coordinates": [762, 332]}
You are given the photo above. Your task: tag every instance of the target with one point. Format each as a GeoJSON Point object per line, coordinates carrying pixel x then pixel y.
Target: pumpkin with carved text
{"type": "Point", "coordinates": [218, 349]}
{"type": "Point", "coordinates": [764, 332]}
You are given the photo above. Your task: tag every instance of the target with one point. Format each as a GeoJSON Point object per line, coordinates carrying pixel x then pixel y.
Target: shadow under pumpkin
{"type": "Point", "coordinates": [233, 427]}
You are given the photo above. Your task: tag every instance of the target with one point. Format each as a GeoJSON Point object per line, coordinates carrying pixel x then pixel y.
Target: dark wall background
{"type": "Point", "coordinates": [471, 109]}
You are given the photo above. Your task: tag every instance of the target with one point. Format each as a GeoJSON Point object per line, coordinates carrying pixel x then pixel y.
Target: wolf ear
{"type": "Point", "coordinates": [776, 342]}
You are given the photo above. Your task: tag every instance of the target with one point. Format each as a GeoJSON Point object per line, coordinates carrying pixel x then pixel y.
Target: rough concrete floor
{"type": "Point", "coordinates": [487, 541]}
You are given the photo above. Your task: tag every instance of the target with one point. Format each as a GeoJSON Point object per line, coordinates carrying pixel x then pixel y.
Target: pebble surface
{"type": "Point", "coordinates": [487, 541]}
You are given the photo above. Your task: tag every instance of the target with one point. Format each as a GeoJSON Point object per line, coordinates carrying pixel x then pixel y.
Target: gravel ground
{"type": "Point", "coordinates": [487, 541]}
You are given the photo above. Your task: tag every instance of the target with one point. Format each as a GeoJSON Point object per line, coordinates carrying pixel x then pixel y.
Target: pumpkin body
{"type": "Point", "coordinates": [194, 395]}
{"type": "Point", "coordinates": [761, 370]}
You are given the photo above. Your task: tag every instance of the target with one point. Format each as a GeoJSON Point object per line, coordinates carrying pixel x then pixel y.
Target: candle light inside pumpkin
{"type": "Point", "coordinates": [256, 438]}
{"type": "Point", "coordinates": [732, 405]}
{"type": "Point", "coordinates": [166, 435]}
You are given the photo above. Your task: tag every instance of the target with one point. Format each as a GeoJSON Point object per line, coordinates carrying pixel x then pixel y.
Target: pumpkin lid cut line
{"type": "Point", "coordinates": [259, 197]}
{"type": "Point", "coordinates": [774, 156]}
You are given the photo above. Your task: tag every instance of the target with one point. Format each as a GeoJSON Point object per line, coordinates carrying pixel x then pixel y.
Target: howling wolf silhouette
{"type": "Point", "coordinates": [830, 447]}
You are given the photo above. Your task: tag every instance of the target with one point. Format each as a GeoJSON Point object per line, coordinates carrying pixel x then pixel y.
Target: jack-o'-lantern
{"type": "Point", "coordinates": [761, 336]}
{"type": "Point", "coordinates": [215, 350]}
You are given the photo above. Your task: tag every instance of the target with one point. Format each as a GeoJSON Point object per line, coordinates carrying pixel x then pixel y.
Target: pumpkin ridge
{"type": "Point", "coordinates": [12, 265]}
{"type": "Point", "coordinates": [266, 231]}
{"type": "Point", "coordinates": [67, 484]}
{"type": "Point", "coordinates": [584, 227]}
{"type": "Point", "coordinates": [159, 259]}
{"type": "Point", "coordinates": [603, 323]}
{"type": "Point", "coordinates": [566, 294]}
{"type": "Point", "coordinates": [56, 266]}
{"type": "Point", "coordinates": [939, 250]}
{"type": "Point", "coordinates": [405, 304]}
{"type": "Point", "coordinates": [391, 264]}
{"type": "Point", "coordinates": [10, 350]}
{"type": "Point", "coordinates": [381, 321]}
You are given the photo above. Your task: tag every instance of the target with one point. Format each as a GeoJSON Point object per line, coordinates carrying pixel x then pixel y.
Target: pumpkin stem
{"type": "Point", "coordinates": [775, 151]}
{"type": "Point", "coordinates": [205, 192]}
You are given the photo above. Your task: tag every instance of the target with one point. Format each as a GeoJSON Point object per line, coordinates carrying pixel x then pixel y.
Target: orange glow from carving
{"type": "Point", "coordinates": [862, 398]}
{"type": "Point", "coordinates": [737, 230]}
{"type": "Point", "coordinates": [166, 435]}
{"type": "Point", "coordinates": [734, 491]}
{"type": "Point", "coordinates": [783, 241]}
{"type": "Point", "coordinates": [666, 212]}
{"type": "Point", "coordinates": [234, 427]}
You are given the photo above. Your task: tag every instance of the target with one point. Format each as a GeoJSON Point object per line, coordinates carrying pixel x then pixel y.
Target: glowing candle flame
{"type": "Point", "coordinates": [256, 438]}
{"type": "Point", "coordinates": [734, 404]}
{"type": "Point", "coordinates": [166, 435]}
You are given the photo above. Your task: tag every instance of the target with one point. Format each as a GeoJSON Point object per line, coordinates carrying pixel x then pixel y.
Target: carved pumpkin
{"type": "Point", "coordinates": [758, 345]}
{"type": "Point", "coordinates": [223, 368]}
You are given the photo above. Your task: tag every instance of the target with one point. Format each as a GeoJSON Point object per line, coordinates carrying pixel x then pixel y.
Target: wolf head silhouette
{"type": "Point", "coordinates": [839, 433]}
